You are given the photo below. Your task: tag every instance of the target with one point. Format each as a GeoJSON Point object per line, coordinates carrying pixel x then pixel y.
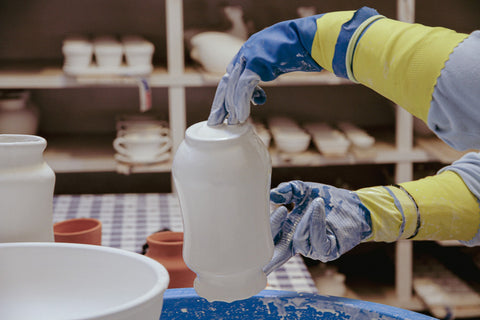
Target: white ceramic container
{"type": "Point", "coordinates": [17, 114]}
{"type": "Point", "coordinates": [77, 52]}
{"type": "Point", "coordinates": [108, 52]}
{"type": "Point", "coordinates": [26, 190]}
{"type": "Point", "coordinates": [329, 141]}
{"type": "Point", "coordinates": [40, 281]}
{"type": "Point", "coordinates": [222, 175]}
{"type": "Point", "coordinates": [359, 137]}
{"type": "Point", "coordinates": [214, 50]}
{"type": "Point", "coordinates": [289, 137]}
{"type": "Point", "coordinates": [138, 51]}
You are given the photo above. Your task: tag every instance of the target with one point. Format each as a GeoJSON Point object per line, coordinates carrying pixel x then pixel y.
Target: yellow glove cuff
{"type": "Point", "coordinates": [393, 213]}
{"type": "Point", "coordinates": [328, 28]}
{"type": "Point", "coordinates": [448, 210]}
{"type": "Point", "coordinates": [402, 61]}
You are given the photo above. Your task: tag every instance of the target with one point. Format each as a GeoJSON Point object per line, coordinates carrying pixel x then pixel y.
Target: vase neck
{"type": "Point", "coordinates": [21, 150]}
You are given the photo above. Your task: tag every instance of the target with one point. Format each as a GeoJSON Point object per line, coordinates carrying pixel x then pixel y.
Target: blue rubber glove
{"type": "Point", "coordinates": [325, 222]}
{"type": "Point", "coordinates": [281, 48]}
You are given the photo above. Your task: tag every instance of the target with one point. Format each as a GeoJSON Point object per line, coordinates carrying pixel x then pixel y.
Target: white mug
{"type": "Point", "coordinates": [147, 130]}
{"type": "Point", "coordinates": [143, 147]}
{"type": "Point", "coordinates": [141, 125]}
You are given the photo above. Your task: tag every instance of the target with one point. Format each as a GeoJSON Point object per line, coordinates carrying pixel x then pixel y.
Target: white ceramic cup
{"type": "Point", "coordinates": [108, 52]}
{"type": "Point", "coordinates": [143, 147]}
{"type": "Point", "coordinates": [77, 52]}
{"type": "Point", "coordinates": [141, 125]}
{"type": "Point", "coordinates": [138, 51]}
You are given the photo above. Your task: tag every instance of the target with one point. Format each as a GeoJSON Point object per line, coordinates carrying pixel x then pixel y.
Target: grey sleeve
{"type": "Point", "coordinates": [455, 107]}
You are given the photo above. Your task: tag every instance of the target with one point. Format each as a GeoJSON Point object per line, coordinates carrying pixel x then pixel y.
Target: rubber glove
{"type": "Point", "coordinates": [326, 222]}
{"type": "Point", "coordinates": [281, 48]}
{"type": "Point", "coordinates": [284, 47]}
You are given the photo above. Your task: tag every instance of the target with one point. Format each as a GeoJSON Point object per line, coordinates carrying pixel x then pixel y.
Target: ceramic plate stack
{"type": "Point", "coordinates": [329, 141]}
{"type": "Point", "coordinates": [288, 135]}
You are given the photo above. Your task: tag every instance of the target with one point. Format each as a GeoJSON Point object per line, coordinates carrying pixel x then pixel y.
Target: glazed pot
{"type": "Point", "coordinates": [26, 190]}
{"type": "Point", "coordinates": [166, 247]}
{"type": "Point", "coordinates": [222, 175]}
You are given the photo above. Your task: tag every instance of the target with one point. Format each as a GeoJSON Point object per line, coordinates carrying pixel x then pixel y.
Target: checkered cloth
{"type": "Point", "coordinates": [127, 220]}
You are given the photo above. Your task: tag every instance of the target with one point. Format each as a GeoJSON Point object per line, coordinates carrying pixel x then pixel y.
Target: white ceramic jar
{"type": "Point", "coordinates": [222, 175]}
{"type": "Point", "coordinates": [26, 190]}
{"type": "Point", "coordinates": [17, 114]}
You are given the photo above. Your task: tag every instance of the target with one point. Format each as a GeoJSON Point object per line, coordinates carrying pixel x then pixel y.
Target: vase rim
{"type": "Point", "coordinates": [24, 139]}
{"type": "Point", "coordinates": [166, 238]}
{"type": "Point", "coordinates": [201, 132]}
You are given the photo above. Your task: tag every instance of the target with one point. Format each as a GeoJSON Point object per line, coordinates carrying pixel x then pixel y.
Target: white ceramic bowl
{"type": "Point", "coordinates": [291, 142]}
{"type": "Point", "coordinates": [214, 50]}
{"type": "Point", "coordinates": [77, 281]}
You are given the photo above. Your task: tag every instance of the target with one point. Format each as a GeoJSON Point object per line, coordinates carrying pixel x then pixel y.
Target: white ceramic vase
{"type": "Point", "coordinates": [26, 190]}
{"type": "Point", "coordinates": [222, 175]}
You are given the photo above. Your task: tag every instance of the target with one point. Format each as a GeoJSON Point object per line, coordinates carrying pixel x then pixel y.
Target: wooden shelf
{"type": "Point", "coordinates": [440, 150]}
{"type": "Point", "coordinates": [35, 75]}
{"type": "Point", "coordinates": [75, 154]}
{"type": "Point", "coordinates": [94, 153]}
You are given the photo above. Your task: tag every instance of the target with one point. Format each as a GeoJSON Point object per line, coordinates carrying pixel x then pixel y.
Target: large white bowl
{"type": "Point", "coordinates": [214, 50]}
{"type": "Point", "coordinates": [76, 281]}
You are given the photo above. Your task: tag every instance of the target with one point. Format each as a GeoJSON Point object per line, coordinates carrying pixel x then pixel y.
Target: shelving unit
{"type": "Point", "coordinates": [94, 153]}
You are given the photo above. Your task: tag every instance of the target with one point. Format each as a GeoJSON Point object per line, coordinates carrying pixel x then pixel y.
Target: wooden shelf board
{"type": "Point", "coordinates": [38, 75]}
{"type": "Point", "coordinates": [440, 150]}
{"type": "Point", "coordinates": [91, 154]}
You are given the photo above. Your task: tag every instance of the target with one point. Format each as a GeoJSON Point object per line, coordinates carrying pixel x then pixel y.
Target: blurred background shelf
{"type": "Point", "coordinates": [91, 153]}
{"type": "Point", "coordinates": [41, 75]}
{"type": "Point", "coordinates": [94, 153]}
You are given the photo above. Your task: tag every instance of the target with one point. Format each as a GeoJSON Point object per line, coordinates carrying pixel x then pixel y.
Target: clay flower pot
{"type": "Point", "coordinates": [80, 230]}
{"type": "Point", "coordinates": [166, 247]}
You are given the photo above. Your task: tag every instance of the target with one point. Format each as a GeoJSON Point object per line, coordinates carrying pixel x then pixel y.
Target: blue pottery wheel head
{"type": "Point", "coordinates": [273, 304]}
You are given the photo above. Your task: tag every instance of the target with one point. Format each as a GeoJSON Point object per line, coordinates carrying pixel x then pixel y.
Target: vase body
{"type": "Point", "coordinates": [18, 115]}
{"type": "Point", "coordinates": [166, 247]}
{"type": "Point", "coordinates": [26, 190]}
{"type": "Point", "coordinates": [222, 175]}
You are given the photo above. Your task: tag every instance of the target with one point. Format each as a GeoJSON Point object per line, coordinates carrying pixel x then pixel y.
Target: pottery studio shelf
{"type": "Point", "coordinates": [94, 153]}
{"type": "Point", "coordinates": [42, 75]}
{"type": "Point", "coordinates": [91, 153]}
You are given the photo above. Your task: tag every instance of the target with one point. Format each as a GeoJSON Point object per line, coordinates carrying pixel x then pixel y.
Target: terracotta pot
{"type": "Point", "coordinates": [80, 230]}
{"type": "Point", "coordinates": [166, 247]}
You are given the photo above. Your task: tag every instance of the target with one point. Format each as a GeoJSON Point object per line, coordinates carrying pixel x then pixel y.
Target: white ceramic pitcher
{"type": "Point", "coordinates": [26, 190]}
{"type": "Point", "coordinates": [222, 175]}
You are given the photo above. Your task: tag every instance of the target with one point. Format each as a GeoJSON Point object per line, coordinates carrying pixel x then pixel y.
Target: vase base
{"type": "Point", "coordinates": [230, 288]}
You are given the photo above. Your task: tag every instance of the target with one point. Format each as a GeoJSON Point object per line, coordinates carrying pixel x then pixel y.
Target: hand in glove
{"type": "Point", "coordinates": [294, 45]}
{"type": "Point", "coordinates": [283, 47]}
{"type": "Point", "coordinates": [324, 223]}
